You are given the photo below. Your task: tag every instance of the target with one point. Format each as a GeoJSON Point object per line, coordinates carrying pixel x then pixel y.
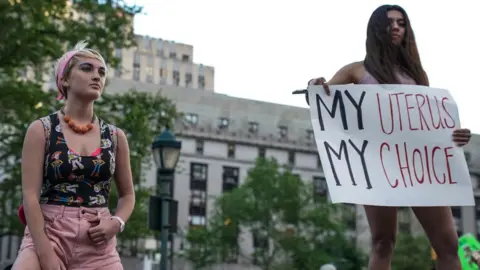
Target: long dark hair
{"type": "Point", "coordinates": [383, 57]}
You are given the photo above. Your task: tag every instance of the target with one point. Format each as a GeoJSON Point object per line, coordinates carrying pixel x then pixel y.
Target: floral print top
{"type": "Point", "coordinates": [74, 180]}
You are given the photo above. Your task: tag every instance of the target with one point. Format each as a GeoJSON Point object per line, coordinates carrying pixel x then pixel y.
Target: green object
{"type": "Point", "coordinates": [467, 245]}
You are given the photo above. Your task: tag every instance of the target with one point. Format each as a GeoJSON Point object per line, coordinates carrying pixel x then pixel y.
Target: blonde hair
{"type": "Point", "coordinates": [69, 59]}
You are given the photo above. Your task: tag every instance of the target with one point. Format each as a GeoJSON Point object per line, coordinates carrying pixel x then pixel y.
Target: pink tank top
{"type": "Point", "coordinates": [403, 78]}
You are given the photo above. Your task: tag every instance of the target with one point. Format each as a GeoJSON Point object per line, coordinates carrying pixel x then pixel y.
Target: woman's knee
{"type": "Point", "coordinates": [383, 227]}
{"type": "Point", "coordinates": [27, 259]}
{"type": "Point", "coordinates": [383, 246]}
{"type": "Point", "coordinates": [446, 247]}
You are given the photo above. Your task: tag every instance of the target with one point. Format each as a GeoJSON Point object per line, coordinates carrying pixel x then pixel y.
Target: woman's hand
{"type": "Point", "coordinates": [320, 81]}
{"type": "Point", "coordinates": [461, 136]}
{"type": "Point", "coordinates": [104, 231]}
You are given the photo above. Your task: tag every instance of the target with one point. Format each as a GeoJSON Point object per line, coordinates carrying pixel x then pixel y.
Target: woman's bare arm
{"type": "Point", "coordinates": [33, 153]}
{"type": "Point", "coordinates": [346, 74]}
{"type": "Point", "coordinates": [123, 178]}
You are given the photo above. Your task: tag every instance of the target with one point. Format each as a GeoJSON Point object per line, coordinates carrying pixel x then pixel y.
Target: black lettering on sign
{"type": "Point", "coordinates": [338, 102]}
{"type": "Point", "coordinates": [343, 151]}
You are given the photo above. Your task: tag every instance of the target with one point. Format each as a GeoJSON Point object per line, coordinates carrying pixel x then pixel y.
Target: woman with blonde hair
{"type": "Point", "coordinates": [69, 159]}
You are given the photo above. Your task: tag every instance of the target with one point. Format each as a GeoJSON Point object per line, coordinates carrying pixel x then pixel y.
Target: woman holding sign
{"type": "Point", "coordinates": [392, 58]}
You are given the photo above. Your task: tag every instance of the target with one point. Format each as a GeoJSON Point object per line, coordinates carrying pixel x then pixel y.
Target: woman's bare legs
{"type": "Point", "coordinates": [383, 227]}
{"type": "Point", "coordinates": [440, 229]}
{"type": "Point", "coordinates": [27, 259]}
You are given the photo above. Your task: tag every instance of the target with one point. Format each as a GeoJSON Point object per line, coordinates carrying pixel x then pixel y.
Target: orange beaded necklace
{"type": "Point", "coordinates": [77, 128]}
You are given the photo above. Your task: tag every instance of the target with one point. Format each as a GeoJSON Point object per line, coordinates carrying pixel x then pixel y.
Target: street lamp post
{"type": "Point", "coordinates": [166, 152]}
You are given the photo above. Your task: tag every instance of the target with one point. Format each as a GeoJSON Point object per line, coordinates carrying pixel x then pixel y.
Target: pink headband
{"type": "Point", "coordinates": [61, 69]}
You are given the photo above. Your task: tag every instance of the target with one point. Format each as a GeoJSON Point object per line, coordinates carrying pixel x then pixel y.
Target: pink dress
{"type": "Point", "coordinates": [403, 78]}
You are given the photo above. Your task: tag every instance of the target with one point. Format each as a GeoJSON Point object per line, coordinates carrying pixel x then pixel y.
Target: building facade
{"type": "Point", "coordinates": [153, 61]}
{"type": "Point", "coordinates": [163, 62]}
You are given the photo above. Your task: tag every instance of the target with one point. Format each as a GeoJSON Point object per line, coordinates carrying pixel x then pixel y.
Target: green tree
{"type": "Point", "coordinates": [286, 222]}
{"type": "Point", "coordinates": [412, 253]}
{"type": "Point", "coordinates": [141, 116]}
{"type": "Point", "coordinates": [20, 104]}
{"type": "Point", "coordinates": [36, 31]}
{"type": "Point", "coordinates": [202, 250]}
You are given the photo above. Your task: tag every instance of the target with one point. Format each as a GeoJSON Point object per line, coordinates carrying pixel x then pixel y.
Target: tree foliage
{"type": "Point", "coordinates": [141, 116]}
{"type": "Point", "coordinates": [19, 106]}
{"type": "Point", "coordinates": [37, 31]}
{"type": "Point", "coordinates": [291, 228]}
{"type": "Point", "coordinates": [412, 253]}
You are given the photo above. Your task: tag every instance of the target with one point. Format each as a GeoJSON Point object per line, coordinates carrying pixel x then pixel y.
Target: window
{"type": "Point", "coordinates": [282, 132]}
{"type": "Point", "coordinates": [176, 66]}
{"type": "Point", "coordinates": [150, 61]}
{"type": "Point", "coordinates": [199, 147]}
{"type": "Point", "coordinates": [136, 59]}
{"type": "Point", "coordinates": [320, 186]}
{"type": "Point", "coordinates": [198, 194]}
{"type": "Point", "coordinates": [185, 57]}
{"type": "Point", "coordinates": [310, 135]}
{"type": "Point", "coordinates": [136, 73]}
{"type": "Point", "coordinates": [198, 176]}
{"type": "Point", "coordinates": [149, 74]}
{"type": "Point", "coordinates": [163, 70]}
{"type": "Point", "coordinates": [176, 77]}
{"type": "Point", "coordinates": [230, 178]}
{"type": "Point", "coordinates": [253, 127]}
{"type": "Point", "coordinates": [191, 118]}
{"type": "Point", "coordinates": [160, 51]}
{"type": "Point", "coordinates": [188, 79]}
{"type": "Point", "coordinates": [261, 152]}
{"type": "Point", "coordinates": [172, 55]}
{"type": "Point", "coordinates": [199, 172]}
{"type": "Point", "coordinates": [291, 158]}
{"type": "Point", "coordinates": [201, 82]}
{"type": "Point", "coordinates": [222, 123]}
{"type": "Point", "coordinates": [231, 150]}
{"type": "Point", "coordinates": [198, 197]}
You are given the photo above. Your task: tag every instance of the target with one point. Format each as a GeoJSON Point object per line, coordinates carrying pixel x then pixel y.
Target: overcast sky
{"type": "Point", "coordinates": [265, 49]}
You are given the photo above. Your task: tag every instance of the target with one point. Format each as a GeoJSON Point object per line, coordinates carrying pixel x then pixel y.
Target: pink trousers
{"type": "Point", "coordinates": [67, 229]}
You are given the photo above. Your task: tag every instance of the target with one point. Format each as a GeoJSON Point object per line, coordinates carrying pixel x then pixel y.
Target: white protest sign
{"type": "Point", "coordinates": [390, 145]}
